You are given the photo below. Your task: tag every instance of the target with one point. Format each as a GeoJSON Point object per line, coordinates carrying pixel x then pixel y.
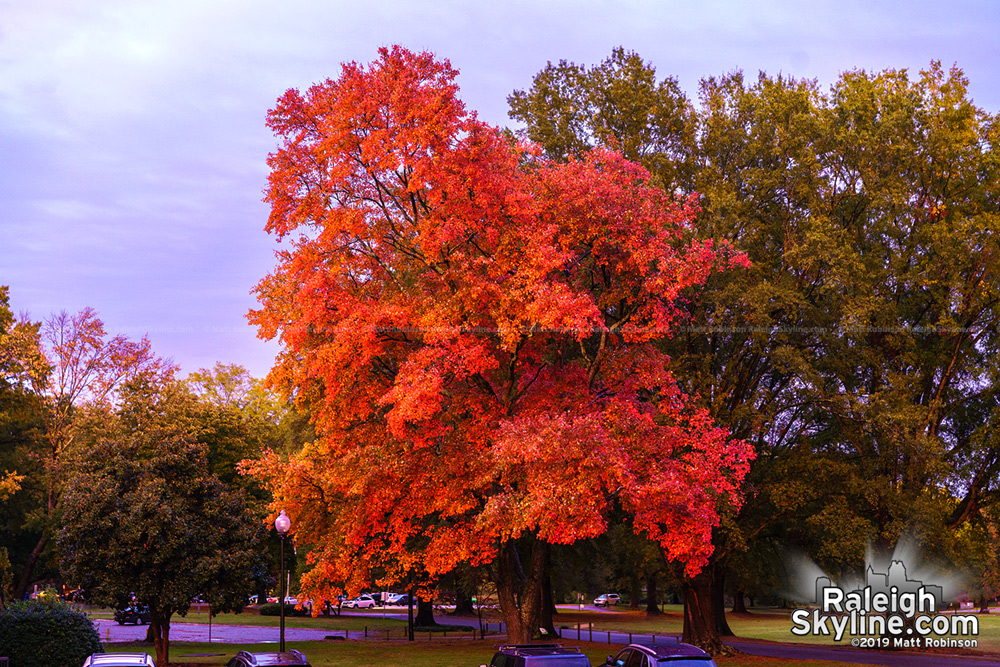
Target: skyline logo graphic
{"type": "Point", "coordinates": [890, 610]}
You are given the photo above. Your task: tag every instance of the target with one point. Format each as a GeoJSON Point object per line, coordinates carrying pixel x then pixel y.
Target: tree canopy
{"type": "Point", "coordinates": [472, 327]}
{"type": "Point", "coordinates": [144, 516]}
{"type": "Point", "coordinates": [858, 353]}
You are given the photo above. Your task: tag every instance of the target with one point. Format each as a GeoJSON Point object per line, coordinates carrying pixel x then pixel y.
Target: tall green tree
{"type": "Point", "coordinates": [856, 354]}
{"type": "Point", "coordinates": [80, 365]}
{"type": "Point", "coordinates": [238, 418]}
{"type": "Point", "coordinates": [569, 109]}
{"type": "Point", "coordinates": [914, 285]}
{"type": "Point", "coordinates": [22, 447]}
{"type": "Point", "coordinates": [754, 187]}
{"type": "Point", "coordinates": [144, 515]}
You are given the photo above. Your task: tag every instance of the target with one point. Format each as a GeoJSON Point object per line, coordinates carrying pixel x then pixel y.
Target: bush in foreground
{"type": "Point", "coordinates": [46, 633]}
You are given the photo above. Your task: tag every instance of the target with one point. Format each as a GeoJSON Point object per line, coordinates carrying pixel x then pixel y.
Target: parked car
{"type": "Point", "coordinates": [73, 596]}
{"type": "Point", "coordinates": [662, 655]}
{"type": "Point", "coordinates": [607, 600]}
{"type": "Point", "coordinates": [291, 658]}
{"type": "Point", "coordinates": [132, 614]}
{"type": "Point", "coordinates": [398, 600]}
{"type": "Point", "coordinates": [538, 655]}
{"type": "Point", "coordinates": [361, 602]}
{"type": "Point", "coordinates": [119, 660]}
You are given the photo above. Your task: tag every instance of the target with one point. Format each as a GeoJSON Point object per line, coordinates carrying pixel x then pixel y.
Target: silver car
{"type": "Point", "coordinates": [119, 660]}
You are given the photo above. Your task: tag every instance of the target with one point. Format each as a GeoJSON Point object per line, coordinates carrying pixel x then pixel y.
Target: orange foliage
{"type": "Point", "coordinates": [473, 329]}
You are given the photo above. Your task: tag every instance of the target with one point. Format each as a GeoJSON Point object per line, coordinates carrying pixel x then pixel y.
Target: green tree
{"type": "Point", "coordinates": [238, 418]}
{"type": "Point", "coordinates": [755, 186]}
{"type": "Point", "coordinates": [76, 364]}
{"type": "Point", "coordinates": [569, 109]}
{"type": "Point", "coordinates": [6, 578]}
{"type": "Point", "coordinates": [22, 485]}
{"type": "Point", "coordinates": [914, 287]}
{"type": "Point", "coordinates": [858, 353]}
{"type": "Point", "coordinates": [145, 516]}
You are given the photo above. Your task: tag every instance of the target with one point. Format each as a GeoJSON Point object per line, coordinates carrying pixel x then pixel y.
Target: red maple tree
{"type": "Point", "coordinates": [474, 329]}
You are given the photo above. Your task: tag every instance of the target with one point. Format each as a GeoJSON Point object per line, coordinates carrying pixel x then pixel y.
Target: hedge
{"type": "Point", "coordinates": [46, 633]}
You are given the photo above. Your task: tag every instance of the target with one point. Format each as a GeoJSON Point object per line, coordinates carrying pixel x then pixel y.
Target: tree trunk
{"type": "Point", "coordinates": [984, 604]}
{"type": "Point", "coordinates": [719, 598]}
{"type": "Point", "coordinates": [546, 607]}
{"type": "Point", "coordinates": [161, 637]}
{"type": "Point", "coordinates": [739, 603]}
{"type": "Point", "coordinates": [635, 584]}
{"type": "Point", "coordinates": [652, 595]}
{"type": "Point", "coordinates": [465, 590]}
{"type": "Point", "coordinates": [425, 614]}
{"type": "Point", "coordinates": [29, 567]}
{"type": "Point", "coordinates": [519, 591]}
{"type": "Point", "coordinates": [703, 608]}
{"type": "Point", "coordinates": [463, 605]}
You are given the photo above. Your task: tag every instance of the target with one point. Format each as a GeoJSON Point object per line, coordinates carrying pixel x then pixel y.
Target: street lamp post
{"type": "Point", "coordinates": [282, 524]}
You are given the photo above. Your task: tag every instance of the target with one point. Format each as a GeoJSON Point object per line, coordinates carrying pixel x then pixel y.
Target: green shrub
{"type": "Point", "coordinates": [272, 609]}
{"type": "Point", "coordinates": [46, 633]}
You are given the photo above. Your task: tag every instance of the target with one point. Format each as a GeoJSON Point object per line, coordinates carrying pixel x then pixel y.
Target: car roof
{"type": "Point", "coordinates": [673, 651]}
{"type": "Point", "coordinates": [538, 650]}
{"type": "Point", "coordinates": [292, 657]}
{"type": "Point", "coordinates": [120, 659]}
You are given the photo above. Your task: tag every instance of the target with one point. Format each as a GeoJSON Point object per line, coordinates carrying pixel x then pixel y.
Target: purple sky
{"type": "Point", "coordinates": [133, 145]}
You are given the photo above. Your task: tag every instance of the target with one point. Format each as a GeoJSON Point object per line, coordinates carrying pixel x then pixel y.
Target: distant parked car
{"type": "Point", "coordinates": [607, 600]}
{"type": "Point", "coordinates": [538, 655]}
{"type": "Point", "coordinates": [360, 602]}
{"type": "Point", "coordinates": [132, 614]}
{"type": "Point", "coordinates": [73, 596]}
{"type": "Point", "coordinates": [291, 658]}
{"type": "Point", "coordinates": [398, 600]}
{"type": "Point", "coordinates": [119, 660]}
{"type": "Point", "coordinates": [662, 655]}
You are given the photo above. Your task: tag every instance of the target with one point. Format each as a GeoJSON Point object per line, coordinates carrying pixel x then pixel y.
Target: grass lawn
{"type": "Point", "coordinates": [346, 622]}
{"type": "Point", "coordinates": [374, 624]}
{"type": "Point", "coordinates": [444, 653]}
{"type": "Point", "coordinates": [766, 624]}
